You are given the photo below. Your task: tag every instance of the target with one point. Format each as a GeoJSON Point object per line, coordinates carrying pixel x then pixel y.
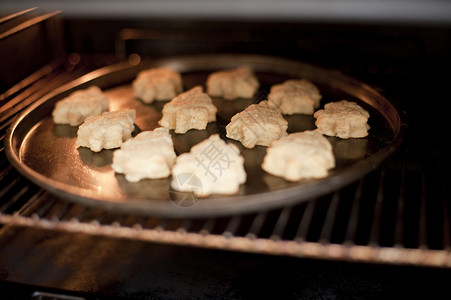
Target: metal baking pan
{"type": "Point", "coordinates": [47, 154]}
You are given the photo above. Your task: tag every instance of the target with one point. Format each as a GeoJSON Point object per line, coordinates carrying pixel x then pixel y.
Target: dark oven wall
{"type": "Point", "coordinates": [408, 61]}
{"type": "Point", "coordinates": [362, 49]}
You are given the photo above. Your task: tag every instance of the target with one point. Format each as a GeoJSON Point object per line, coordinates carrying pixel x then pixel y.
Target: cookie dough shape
{"type": "Point", "coordinates": [190, 110]}
{"type": "Point", "coordinates": [344, 119]}
{"type": "Point", "coordinates": [232, 84]}
{"type": "Point", "coordinates": [106, 131]}
{"type": "Point", "coordinates": [216, 166]}
{"type": "Point", "coordinates": [300, 155]}
{"type": "Point", "coordinates": [158, 84]}
{"type": "Point", "coordinates": [79, 105]}
{"type": "Point", "coordinates": [150, 154]}
{"type": "Point", "coordinates": [295, 96]}
{"type": "Point", "coordinates": [258, 124]}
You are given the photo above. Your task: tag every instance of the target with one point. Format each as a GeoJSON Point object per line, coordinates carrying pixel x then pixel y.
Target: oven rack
{"type": "Point", "coordinates": [397, 214]}
{"type": "Point", "coordinates": [306, 230]}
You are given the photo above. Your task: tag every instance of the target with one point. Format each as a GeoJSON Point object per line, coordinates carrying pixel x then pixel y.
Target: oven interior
{"type": "Point", "coordinates": [387, 233]}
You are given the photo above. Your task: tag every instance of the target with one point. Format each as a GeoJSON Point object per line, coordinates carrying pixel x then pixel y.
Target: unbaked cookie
{"type": "Point", "coordinates": [150, 154]}
{"type": "Point", "coordinates": [299, 155]}
{"type": "Point", "coordinates": [216, 166]}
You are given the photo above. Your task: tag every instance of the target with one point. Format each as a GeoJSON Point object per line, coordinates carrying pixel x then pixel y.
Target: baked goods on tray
{"type": "Point", "coordinates": [189, 110]}
{"type": "Point", "coordinates": [299, 155]}
{"type": "Point", "coordinates": [216, 166]}
{"type": "Point", "coordinates": [233, 83]}
{"type": "Point", "coordinates": [295, 96]}
{"type": "Point", "coordinates": [157, 84]}
{"type": "Point", "coordinates": [79, 105]}
{"type": "Point", "coordinates": [106, 131]}
{"type": "Point", "coordinates": [150, 154]}
{"type": "Point", "coordinates": [258, 124]}
{"type": "Point", "coordinates": [344, 119]}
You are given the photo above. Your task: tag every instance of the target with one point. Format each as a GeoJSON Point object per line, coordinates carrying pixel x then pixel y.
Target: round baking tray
{"type": "Point", "coordinates": [47, 154]}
